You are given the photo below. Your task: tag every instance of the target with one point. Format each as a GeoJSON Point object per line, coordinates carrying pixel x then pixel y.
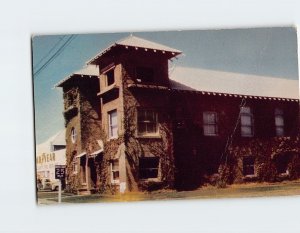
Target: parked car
{"type": "Point", "coordinates": [47, 184]}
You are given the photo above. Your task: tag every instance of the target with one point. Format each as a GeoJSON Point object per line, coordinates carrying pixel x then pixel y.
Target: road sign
{"type": "Point", "coordinates": [60, 171]}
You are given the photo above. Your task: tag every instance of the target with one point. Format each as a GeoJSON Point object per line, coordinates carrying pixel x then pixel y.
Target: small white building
{"type": "Point", "coordinates": [50, 153]}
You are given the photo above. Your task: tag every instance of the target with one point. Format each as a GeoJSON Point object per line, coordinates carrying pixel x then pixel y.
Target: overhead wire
{"type": "Point", "coordinates": [57, 53]}
{"type": "Point", "coordinates": [230, 138]}
{"type": "Point", "coordinates": [49, 52]}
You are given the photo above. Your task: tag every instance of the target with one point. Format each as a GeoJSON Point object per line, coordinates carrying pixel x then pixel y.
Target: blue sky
{"type": "Point", "coordinates": [262, 51]}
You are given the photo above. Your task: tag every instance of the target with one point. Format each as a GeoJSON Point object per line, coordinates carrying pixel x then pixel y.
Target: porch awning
{"type": "Point", "coordinates": [97, 152]}
{"type": "Point", "coordinates": [80, 155]}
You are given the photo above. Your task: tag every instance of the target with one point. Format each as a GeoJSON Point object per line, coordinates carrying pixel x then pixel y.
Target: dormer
{"type": "Point", "coordinates": [139, 61]}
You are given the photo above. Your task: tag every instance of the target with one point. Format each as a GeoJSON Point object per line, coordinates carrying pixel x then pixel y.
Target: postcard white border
{"type": "Point", "coordinates": [19, 212]}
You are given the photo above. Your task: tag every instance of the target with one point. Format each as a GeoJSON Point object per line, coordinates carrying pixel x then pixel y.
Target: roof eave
{"type": "Point", "coordinates": [95, 58]}
{"type": "Point", "coordinates": [93, 61]}
{"type": "Point", "coordinates": [72, 76]}
{"type": "Point", "coordinates": [212, 93]}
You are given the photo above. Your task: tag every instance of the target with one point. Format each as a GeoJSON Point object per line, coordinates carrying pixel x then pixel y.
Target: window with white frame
{"type": "Point", "coordinates": [113, 124]}
{"type": "Point", "coordinates": [147, 122]}
{"type": "Point", "coordinates": [73, 135]}
{"type": "Point", "coordinates": [148, 167]}
{"type": "Point", "coordinates": [74, 166]}
{"type": "Point", "coordinates": [115, 174]}
{"type": "Point", "coordinates": [279, 122]}
{"type": "Point", "coordinates": [248, 166]}
{"type": "Point", "coordinates": [210, 127]}
{"type": "Point", "coordinates": [246, 122]}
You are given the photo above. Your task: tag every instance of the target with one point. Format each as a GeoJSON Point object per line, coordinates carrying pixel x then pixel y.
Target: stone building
{"type": "Point", "coordinates": [133, 123]}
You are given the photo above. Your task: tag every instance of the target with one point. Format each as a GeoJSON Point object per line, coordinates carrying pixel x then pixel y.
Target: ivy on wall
{"type": "Point", "coordinates": [266, 153]}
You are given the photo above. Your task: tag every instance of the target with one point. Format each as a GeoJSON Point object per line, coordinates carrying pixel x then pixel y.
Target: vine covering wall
{"type": "Point", "coordinates": [136, 146]}
{"type": "Point", "coordinates": [268, 154]}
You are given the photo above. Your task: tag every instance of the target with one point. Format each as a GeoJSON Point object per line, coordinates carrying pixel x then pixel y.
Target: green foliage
{"type": "Point", "coordinates": [161, 147]}
{"type": "Point", "coordinates": [224, 174]}
{"type": "Point", "coordinates": [266, 152]}
{"type": "Point", "coordinates": [266, 172]}
{"type": "Point", "coordinates": [294, 167]}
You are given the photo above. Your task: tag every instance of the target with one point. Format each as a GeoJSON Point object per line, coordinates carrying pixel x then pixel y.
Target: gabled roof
{"type": "Point", "coordinates": [87, 71]}
{"type": "Point", "coordinates": [57, 139]}
{"type": "Point", "coordinates": [142, 43]}
{"type": "Point", "coordinates": [60, 138]}
{"type": "Point", "coordinates": [192, 79]}
{"type": "Point", "coordinates": [137, 42]}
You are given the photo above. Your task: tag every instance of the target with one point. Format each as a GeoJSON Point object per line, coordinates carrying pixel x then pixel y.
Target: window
{"type": "Point", "coordinates": [248, 166]}
{"type": "Point", "coordinates": [74, 166]}
{"type": "Point", "coordinates": [83, 168]}
{"type": "Point", "coordinates": [246, 122]}
{"type": "Point", "coordinates": [58, 147]}
{"type": "Point", "coordinates": [279, 122]}
{"type": "Point", "coordinates": [282, 162]}
{"type": "Point", "coordinates": [115, 175]}
{"type": "Point", "coordinates": [113, 124]}
{"type": "Point", "coordinates": [148, 167]}
{"type": "Point", "coordinates": [144, 74]}
{"type": "Point", "coordinates": [110, 77]}
{"type": "Point", "coordinates": [73, 135]}
{"type": "Point", "coordinates": [210, 127]}
{"type": "Point", "coordinates": [147, 122]}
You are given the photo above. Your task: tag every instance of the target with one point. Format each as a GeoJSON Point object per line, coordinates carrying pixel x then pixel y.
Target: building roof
{"type": "Point", "coordinates": [137, 42]}
{"type": "Point", "coordinates": [193, 79]}
{"type": "Point", "coordinates": [58, 139]}
{"type": "Point", "coordinates": [86, 71]}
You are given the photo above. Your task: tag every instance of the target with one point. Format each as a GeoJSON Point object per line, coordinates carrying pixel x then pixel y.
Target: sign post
{"type": "Point", "coordinates": [60, 173]}
{"type": "Point", "coordinates": [59, 191]}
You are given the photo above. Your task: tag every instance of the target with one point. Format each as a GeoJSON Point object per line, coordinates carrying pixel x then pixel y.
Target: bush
{"type": "Point", "coordinates": [294, 168]}
{"type": "Point", "coordinates": [224, 175]}
{"type": "Point", "coordinates": [267, 172]}
{"type": "Point", "coordinates": [151, 185]}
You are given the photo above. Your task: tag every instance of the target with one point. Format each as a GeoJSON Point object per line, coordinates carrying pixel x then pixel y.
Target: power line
{"type": "Point", "coordinates": [58, 52]}
{"type": "Point", "coordinates": [230, 137]}
{"type": "Point", "coordinates": [54, 56]}
{"type": "Point", "coordinates": [49, 52]}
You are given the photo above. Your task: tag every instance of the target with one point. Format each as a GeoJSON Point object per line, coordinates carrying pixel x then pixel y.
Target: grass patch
{"type": "Point", "coordinates": [234, 191]}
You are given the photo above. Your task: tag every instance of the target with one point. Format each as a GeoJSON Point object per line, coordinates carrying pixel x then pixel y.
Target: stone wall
{"type": "Point", "coordinates": [72, 120]}
{"type": "Point", "coordinates": [268, 155]}
{"type": "Point", "coordinates": [160, 146]}
{"type": "Point", "coordinates": [81, 113]}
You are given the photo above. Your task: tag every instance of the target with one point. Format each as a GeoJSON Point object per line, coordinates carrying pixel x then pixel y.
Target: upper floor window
{"type": "Point", "coordinates": [210, 127]}
{"type": "Point", "coordinates": [147, 122]}
{"type": "Point", "coordinates": [115, 174]}
{"type": "Point", "coordinates": [144, 74]}
{"type": "Point", "coordinates": [110, 77]}
{"type": "Point", "coordinates": [113, 124]}
{"type": "Point", "coordinates": [246, 122]}
{"type": "Point", "coordinates": [73, 135]}
{"type": "Point", "coordinates": [279, 122]}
